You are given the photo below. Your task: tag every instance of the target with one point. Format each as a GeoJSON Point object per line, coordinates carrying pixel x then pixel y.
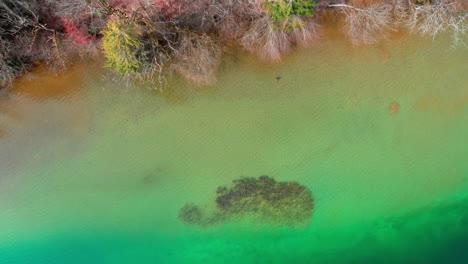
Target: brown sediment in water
{"type": "Point", "coordinates": [428, 103]}
{"type": "Point", "coordinates": [329, 21]}
{"type": "Point", "coordinates": [9, 112]}
{"type": "Point", "coordinates": [9, 109]}
{"type": "Point", "coordinates": [439, 104]}
{"type": "Point", "coordinates": [331, 28]}
{"type": "Point", "coordinates": [394, 108]}
{"type": "Point", "coordinates": [41, 84]}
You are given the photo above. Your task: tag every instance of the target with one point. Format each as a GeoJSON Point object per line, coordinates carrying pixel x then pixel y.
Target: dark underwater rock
{"type": "Point", "coordinates": [262, 199]}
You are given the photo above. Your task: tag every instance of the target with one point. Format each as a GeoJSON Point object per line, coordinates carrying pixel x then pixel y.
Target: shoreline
{"type": "Point", "coordinates": [160, 41]}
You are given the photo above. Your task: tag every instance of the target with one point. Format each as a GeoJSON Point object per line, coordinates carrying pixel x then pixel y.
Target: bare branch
{"type": "Point", "coordinates": [366, 25]}
{"type": "Point", "coordinates": [197, 58]}
{"type": "Point", "coordinates": [432, 18]}
{"type": "Point", "coordinates": [263, 39]}
{"type": "Point", "coordinates": [7, 72]}
{"type": "Point", "coordinates": [304, 32]}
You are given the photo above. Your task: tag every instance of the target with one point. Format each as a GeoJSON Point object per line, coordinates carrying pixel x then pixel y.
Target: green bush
{"type": "Point", "coordinates": [122, 48]}
{"type": "Point", "coordinates": [282, 10]}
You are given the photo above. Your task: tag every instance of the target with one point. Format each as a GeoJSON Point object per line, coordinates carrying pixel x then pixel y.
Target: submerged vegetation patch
{"type": "Point", "coordinates": [259, 199]}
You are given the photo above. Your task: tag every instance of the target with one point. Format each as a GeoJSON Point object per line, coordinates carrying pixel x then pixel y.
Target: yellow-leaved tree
{"type": "Point", "coordinates": [123, 50]}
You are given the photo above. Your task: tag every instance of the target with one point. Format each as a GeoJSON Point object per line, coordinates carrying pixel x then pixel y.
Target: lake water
{"type": "Point", "coordinates": [93, 171]}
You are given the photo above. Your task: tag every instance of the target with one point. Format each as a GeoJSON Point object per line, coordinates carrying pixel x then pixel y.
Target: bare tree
{"type": "Point", "coordinates": [304, 32]}
{"type": "Point", "coordinates": [18, 19]}
{"type": "Point", "coordinates": [366, 25]}
{"type": "Point", "coordinates": [16, 15]}
{"type": "Point", "coordinates": [264, 39]}
{"type": "Point", "coordinates": [432, 18]}
{"type": "Point", "coordinates": [228, 18]}
{"type": "Point", "coordinates": [90, 13]}
{"type": "Point", "coordinates": [236, 16]}
{"type": "Point", "coordinates": [22, 26]}
{"type": "Point", "coordinates": [7, 71]}
{"type": "Point", "coordinates": [272, 34]}
{"type": "Point", "coordinates": [74, 9]}
{"type": "Point", "coordinates": [160, 40]}
{"type": "Point", "coordinates": [197, 58]}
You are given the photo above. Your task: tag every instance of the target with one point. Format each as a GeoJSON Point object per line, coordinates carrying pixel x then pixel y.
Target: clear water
{"type": "Point", "coordinates": [94, 172]}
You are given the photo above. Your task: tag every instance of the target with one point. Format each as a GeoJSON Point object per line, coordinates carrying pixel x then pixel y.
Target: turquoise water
{"type": "Point", "coordinates": [98, 173]}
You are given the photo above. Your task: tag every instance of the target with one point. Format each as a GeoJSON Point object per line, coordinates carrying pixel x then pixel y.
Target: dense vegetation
{"type": "Point", "coordinates": [261, 199]}
{"type": "Point", "coordinates": [282, 13]}
{"type": "Point", "coordinates": [149, 39]}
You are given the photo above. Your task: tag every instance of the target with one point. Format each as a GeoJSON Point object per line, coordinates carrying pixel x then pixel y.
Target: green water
{"type": "Point", "coordinates": [97, 175]}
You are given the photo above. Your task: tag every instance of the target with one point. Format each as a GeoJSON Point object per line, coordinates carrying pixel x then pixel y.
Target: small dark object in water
{"type": "Point", "coordinates": [278, 78]}
{"type": "Point", "coordinates": [263, 198]}
{"type": "Point", "coordinates": [149, 179]}
{"type": "Point", "coordinates": [152, 177]}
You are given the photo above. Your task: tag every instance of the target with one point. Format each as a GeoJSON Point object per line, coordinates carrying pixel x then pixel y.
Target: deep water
{"type": "Point", "coordinates": [95, 172]}
{"type": "Point", "coordinates": [430, 235]}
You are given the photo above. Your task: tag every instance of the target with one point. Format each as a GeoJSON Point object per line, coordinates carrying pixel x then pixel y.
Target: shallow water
{"type": "Point", "coordinates": [95, 172]}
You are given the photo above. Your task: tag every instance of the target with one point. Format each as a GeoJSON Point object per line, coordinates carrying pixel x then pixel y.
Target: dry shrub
{"type": "Point", "coordinates": [228, 18]}
{"type": "Point", "coordinates": [366, 25]}
{"type": "Point", "coordinates": [16, 15]}
{"type": "Point", "coordinates": [29, 39]}
{"type": "Point", "coordinates": [7, 72]}
{"type": "Point", "coordinates": [51, 49]}
{"type": "Point", "coordinates": [305, 33]}
{"type": "Point", "coordinates": [433, 18]}
{"type": "Point", "coordinates": [81, 19]}
{"type": "Point", "coordinates": [66, 52]}
{"type": "Point", "coordinates": [198, 15]}
{"type": "Point", "coordinates": [72, 9]}
{"type": "Point", "coordinates": [197, 58]}
{"type": "Point", "coordinates": [400, 9]}
{"type": "Point", "coordinates": [235, 17]}
{"type": "Point", "coordinates": [264, 39]}
{"type": "Point", "coordinates": [55, 57]}
{"type": "Point", "coordinates": [272, 39]}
